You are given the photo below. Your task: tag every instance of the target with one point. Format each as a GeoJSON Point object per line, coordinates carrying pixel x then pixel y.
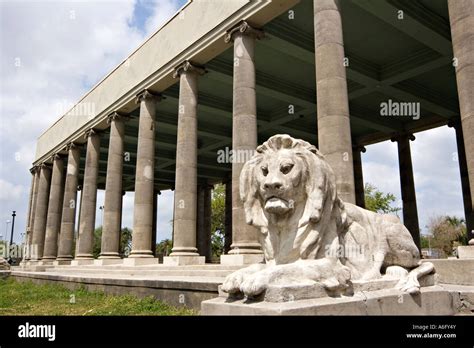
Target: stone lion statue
{"type": "Point", "coordinates": [308, 234]}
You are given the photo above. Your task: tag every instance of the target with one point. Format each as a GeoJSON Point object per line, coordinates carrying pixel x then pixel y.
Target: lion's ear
{"type": "Point", "coordinates": [249, 194]}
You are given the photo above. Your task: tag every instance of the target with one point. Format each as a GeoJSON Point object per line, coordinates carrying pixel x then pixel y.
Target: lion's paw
{"type": "Point", "coordinates": [233, 282]}
{"type": "Point", "coordinates": [409, 284]}
{"type": "Point", "coordinates": [255, 284]}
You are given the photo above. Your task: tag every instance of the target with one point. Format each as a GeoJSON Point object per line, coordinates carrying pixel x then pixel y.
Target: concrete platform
{"type": "Point", "coordinates": [433, 300]}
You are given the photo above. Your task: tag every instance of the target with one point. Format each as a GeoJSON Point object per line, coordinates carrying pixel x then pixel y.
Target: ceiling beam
{"type": "Point", "coordinates": [419, 22]}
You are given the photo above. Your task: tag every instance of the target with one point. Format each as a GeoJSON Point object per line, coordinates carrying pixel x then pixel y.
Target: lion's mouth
{"type": "Point", "coordinates": [275, 199]}
{"type": "Point", "coordinates": [276, 205]}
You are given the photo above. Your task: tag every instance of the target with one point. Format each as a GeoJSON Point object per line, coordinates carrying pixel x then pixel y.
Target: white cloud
{"type": "Point", "coordinates": [52, 53]}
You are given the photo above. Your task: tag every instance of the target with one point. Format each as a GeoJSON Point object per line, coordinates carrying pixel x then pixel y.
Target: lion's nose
{"type": "Point", "coordinates": [272, 185]}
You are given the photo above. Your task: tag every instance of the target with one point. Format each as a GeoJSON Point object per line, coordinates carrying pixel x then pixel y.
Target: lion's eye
{"type": "Point", "coordinates": [265, 171]}
{"type": "Point", "coordinates": [285, 169]}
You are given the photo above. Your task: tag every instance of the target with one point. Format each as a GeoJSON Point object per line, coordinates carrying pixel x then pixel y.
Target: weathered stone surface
{"type": "Point", "coordinates": [466, 252]}
{"type": "Point", "coordinates": [433, 300]}
{"type": "Point", "coordinates": [184, 260]}
{"type": "Point", "coordinates": [310, 236]}
{"type": "Point", "coordinates": [454, 271]}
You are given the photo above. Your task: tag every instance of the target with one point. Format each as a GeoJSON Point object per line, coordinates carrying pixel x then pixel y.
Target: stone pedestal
{"type": "Point", "coordinates": [183, 260]}
{"type": "Point", "coordinates": [61, 262]}
{"type": "Point", "coordinates": [241, 259]}
{"type": "Point", "coordinates": [82, 262]}
{"type": "Point", "coordinates": [466, 252]}
{"type": "Point", "coordinates": [105, 261]}
{"type": "Point", "coordinates": [139, 261]}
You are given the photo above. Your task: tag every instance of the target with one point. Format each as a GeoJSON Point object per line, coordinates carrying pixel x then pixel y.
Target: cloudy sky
{"type": "Point", "coordinates": [52, 53]}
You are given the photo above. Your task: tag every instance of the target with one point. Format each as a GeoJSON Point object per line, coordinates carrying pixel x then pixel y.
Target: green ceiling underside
{"type": "Point", "coordinates": [407, 60]}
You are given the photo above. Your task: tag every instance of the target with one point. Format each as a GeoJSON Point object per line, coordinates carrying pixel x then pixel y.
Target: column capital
{"type": "Point", "coordinates": [359, 148]}
{"type": "Point", "coordinates": [147, 94]}
{"type": "Point", "coordinates": [116, 116]}
{"type": "Point", "coordinates": [90, 132]}
{"type": "Point", "coordinates": [71, 145]}
{"type": "Point", "coordinates": [454, 123]}
{"type": "Point", "coordinates": [402, 136]}
{"type": "Point", "coordinates": [44, 166]}
{"type": "Point", "coordinates": [187, 66]}
{"type": "Point", "coordinates": [79, 187]}
{"type": "Point", "coordinates": [243, 28]}
{"type": "Point", "coordinates": [56, 156]}
{"type": "Point", "coordinates": [34, 169]}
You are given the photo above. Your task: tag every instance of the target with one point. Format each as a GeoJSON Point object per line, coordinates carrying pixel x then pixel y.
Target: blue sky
{"type": "Point", "coordinates": [51, 53]}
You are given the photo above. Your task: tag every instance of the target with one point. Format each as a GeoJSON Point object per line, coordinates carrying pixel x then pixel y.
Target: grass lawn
{"type": "Point", "coordinates": [26, 298]}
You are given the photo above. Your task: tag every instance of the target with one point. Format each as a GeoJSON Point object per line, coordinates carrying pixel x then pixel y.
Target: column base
{"type": "Point", "coordinates": [138, 261]}
{"type": "Point", "coordinates": [105, 262]}
{"type": "Point", "coordinates": [183, 260]}
{"type": "Point", "coordinates": [466, 252]}
{"type": "Point", "coordinates": [62, 262]}
{"type": "Point", "coordinates": [46, 262]}
{"type": "Point", "coordinates": [241, 259]}
{"type": "Point", "coordinates": [81, 262]}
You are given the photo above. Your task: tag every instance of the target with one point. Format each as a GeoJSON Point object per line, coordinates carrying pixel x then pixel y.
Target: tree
{"type": "Point", "coordinates": [218, 220]}
{"type": "Point", "coordinates": [125, 241]}
{"type": "Point", "coordinates": [164, 247]}
{"type": "Point", "coordinates": [447, 232]}
{"type": "Point", "coordinates": [378, 201]}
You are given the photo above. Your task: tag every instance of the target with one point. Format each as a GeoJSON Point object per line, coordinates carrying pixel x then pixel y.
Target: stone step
{"type": "Point", "coordinates": [142, 272]}
{"type": "Point", "coordinates": [159, 267]}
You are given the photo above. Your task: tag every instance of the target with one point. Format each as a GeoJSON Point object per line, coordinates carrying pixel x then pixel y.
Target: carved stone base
{"type": "Point", "coordinates": [183, 260]}
{"type": "Point", "coordinates": [139, 261]}
{"type": "Point", "coordinates": [104, 262]}
{"type": "Point", "coordinates": [82, 262]}
{"type": "Point", "coordinates": [241, 259]}
{"type": "Point", "coordinates": [433, 300]}
{"type": "Point", "coordinates": [466, 252]}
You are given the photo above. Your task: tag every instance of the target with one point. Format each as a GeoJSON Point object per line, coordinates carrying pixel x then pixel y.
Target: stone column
{"type": "Point", "coordinates": [76, 232]}
{"type": "Point", "coordinates": [41, 212]}
{"type": "Point", "coordinates": [155, 222]}
{"type": "Point", "coordinates": [184, 242]}
{"type": "Point", "coordinates": [68, 218]}
{"type": "Point", "coordinates": [53, 222]}
{"type": "Point", "coordinates": [31, 212]}
{"type": "Point", "coordinates": [245, 248]}
{"type": "Point", "coordinates": [358, 176]}
{"type": "Point", "coordinates": [461, 17]}
{"type": "Point", "coordinates": [85, 238]}
{"type": "Point", "coordinates": [407, 183]}
{"type": "Point", "coordinates": [110, 244]}
{"type": "Point", "coordinates": [144, 182]}
{"type": "Point", "coordinates": [204, 221]}
{"type": "Point", "coordinates": [334, 128]}
{"type": "Point", "coordinates": [228, 217]}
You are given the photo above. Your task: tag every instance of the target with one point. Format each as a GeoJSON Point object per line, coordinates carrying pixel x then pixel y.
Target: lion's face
{"type": "Point", "coordinates": [279, 179]}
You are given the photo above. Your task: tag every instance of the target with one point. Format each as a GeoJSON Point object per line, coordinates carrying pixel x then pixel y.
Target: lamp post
{"type": "Point", "coordinates": [13, 227]}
